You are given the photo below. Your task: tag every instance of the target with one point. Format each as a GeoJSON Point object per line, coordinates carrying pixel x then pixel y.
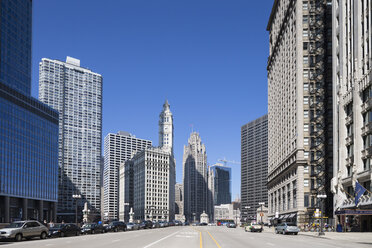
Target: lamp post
{"type": "Point", "coordinates": [321, 198]}
{"type": "Point", "coordinates": [261, 213]}
{"type": "Point", "coordinates": [247, 207]}
{"type": "Point", "coordinates": [76, 197]}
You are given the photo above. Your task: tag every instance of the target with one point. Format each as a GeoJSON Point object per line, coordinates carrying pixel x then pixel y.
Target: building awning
{"type": "Point", "coordinates": [291, 216]}
{"type": "Point", "coordinates": [354, 212]}
{"type": "Point", "coordinates": [281, 217]}
{"type": "Point", "coordinates": [286, 216]}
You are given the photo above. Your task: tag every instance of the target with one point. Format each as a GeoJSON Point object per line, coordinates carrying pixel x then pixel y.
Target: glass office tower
{"type": "Point", "coordinates": [28, 128]}
{"type": "Point", "coordinates": [221, 184]}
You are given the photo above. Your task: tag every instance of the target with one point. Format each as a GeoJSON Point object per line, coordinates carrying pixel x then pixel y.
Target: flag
{"type": "Point", "coordinates": [359, 191]}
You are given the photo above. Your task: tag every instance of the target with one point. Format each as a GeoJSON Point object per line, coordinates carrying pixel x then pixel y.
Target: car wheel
{"type": "Point", "coordinates": [61, 234]}
{"type": "Point", "coordinates": [295, 233]}
{"type": "Point", "coordinates": [115, 230]}
{"type": "Point", "coordinates": [18, 237]}
{"type": "Point", "coordinates": [77, 233]}
{"type": "Point", "coordinates": [92, 231]}
{"type": "Point", "coordinates": [276, 231]}
{"type": "Point", "coordinates": [283, 232]}
{"type": "Point", "coordinates": [43, 235]}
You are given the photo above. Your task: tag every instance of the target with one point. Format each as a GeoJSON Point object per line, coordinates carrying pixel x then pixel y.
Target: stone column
{"type": "Point", "coordinates": [41, 210]}
{"type": "Point", "coordinates": [24, 209]}
{"type": "Point", "coordinates": [7, 208]}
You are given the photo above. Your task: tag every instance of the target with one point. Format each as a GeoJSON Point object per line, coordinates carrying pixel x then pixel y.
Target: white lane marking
{"type": "Point", "coordinates": [184, 236]}
{"type": "Point", "coordinates": [271, 244]}
{"type": "Point", "coordinates": [153, 243]}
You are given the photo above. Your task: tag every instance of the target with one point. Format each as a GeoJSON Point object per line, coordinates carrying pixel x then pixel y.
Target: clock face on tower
{"type": "Point", "coordinates": [166, 128]}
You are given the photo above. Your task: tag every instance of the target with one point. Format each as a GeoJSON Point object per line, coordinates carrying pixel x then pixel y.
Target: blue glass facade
{"type": "Point", "coordinates": [28, 147]}
{"type": "Point", "coordinates": [28, 128]}
{"type": "Point", "coordinates": [15, 44]}
{"type": "Point", "coordinates": [222, 184]}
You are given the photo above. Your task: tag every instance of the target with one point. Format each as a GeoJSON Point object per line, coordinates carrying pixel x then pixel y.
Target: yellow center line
{"type": "Point", "coordinates": [214, 240]}
{"type": "Point", "coordinates": [201, 240]}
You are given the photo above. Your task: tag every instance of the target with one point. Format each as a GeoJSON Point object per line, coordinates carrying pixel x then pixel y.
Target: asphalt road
{"type": "Point", "coordinates": [187, 237]}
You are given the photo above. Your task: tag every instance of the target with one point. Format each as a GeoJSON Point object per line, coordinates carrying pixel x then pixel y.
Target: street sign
{"type": "Point", "coordinates": [261, 214]}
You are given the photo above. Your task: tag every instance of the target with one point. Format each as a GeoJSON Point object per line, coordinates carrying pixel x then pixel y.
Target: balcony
{"type": "Point", "coordinates": [349, 139]}
{"type": "Point", "coordinates": [367, 105]}
{"type": "Point", "coordinates": [367, 153]}
{"type": "Point", "coordinates": [367, 129]}
{"type": "Point", "coordinates": [349, 119]}
{"type": "Point", "coordinates": [350, 161]}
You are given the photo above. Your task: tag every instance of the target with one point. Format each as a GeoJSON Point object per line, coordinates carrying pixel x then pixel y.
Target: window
{"type": "Point", "coordinates": [306, 155]}
{"type": "Point", "coordinates": [305, 45]}
{"type": "Point", "coordinates": [304, 6]}
{"type": "Point", "coordinates": [306, 127]}
{"type": "Point", "coordinates": [306, 75]}
{"type": "Point", "coordinates": [306, 169]}
{"type": "Point", "coordinates": [306, 182]}
{"type": "Point", "coordinates": [306, 86]}
{"type": "Point", "coordinates": [306, 141]}
{"type": "Point", "coordinates": [305, 33]}
{"type": "Point", "coordinates": [306, 100]}
{"type": "Point", "coordinates": [305, 19]}
{"type": "Point", "coordinates": [306, 200]}
{"type": "Point", "coordinates": [306, 60]}
{"type": "Point", "coordinates": [306, 113]}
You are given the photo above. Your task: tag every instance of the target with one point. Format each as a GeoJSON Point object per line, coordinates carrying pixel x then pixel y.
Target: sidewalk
{"type": "Point", "coordinates": [360, 237]}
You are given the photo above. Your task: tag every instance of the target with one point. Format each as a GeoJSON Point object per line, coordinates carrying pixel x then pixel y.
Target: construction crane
{"type": "Point", "coordinates": [224, 161]}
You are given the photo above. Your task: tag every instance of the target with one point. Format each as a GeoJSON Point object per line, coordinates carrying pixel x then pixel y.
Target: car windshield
{"type": "Point", "coordinates": [130, 223]}
{"type": "Point", "coordinates": [291, 224]}
{"type": "Point", "coordinates": [15, 225]}
{"type": "Point", "coordinates": [87, 225]}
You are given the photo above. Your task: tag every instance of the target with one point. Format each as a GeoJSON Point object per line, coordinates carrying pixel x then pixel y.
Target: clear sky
{"type": "Point", "coordinates": [207, 57]}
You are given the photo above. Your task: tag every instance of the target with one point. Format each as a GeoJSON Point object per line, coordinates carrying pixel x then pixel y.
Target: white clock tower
{"type": "Point", "coordinates": [166, 128]}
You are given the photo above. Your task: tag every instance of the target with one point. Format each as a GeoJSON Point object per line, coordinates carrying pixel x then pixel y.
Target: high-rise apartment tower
{"type": "Point", "coordinates": [76, 93]}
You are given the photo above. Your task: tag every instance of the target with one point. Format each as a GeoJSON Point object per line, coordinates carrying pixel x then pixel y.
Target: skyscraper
{"type": "Point", "coordinates": [118, 148]}
{"type": "Point", "coordinates": [76, 93]}
{"type": "Point", "coordinates": [299, 109]}
{"type": "Point", "coordinates": [220, 177]}
{"type": "Point", "coordinates": [178, 199]}
{"type": "Point", "coordinates": [254, 159]}
{"type": "Point", "coordinates": [352, 74]}
{"type": "Point", "coordinates": [28, 128]}
{"type": "Point", "coordinates": [147, 180]}
{"type": "Point", "coordinates": [195, 179]}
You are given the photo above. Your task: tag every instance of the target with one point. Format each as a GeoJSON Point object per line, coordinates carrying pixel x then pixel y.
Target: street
{"type": "Point", "coordinates": [187, 237]}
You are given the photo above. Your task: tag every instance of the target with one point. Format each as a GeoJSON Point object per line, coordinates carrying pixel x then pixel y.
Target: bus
{"type": "Point", "coordinates": [223, 222]}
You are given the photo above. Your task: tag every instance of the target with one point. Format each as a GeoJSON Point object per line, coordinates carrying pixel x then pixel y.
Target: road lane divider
{"type": "Point", "coordinates": [201, 239]}
{"type": "Point", "coordinates": [153, 243]}
{"type": "Point", "coordinates": [215, 241]}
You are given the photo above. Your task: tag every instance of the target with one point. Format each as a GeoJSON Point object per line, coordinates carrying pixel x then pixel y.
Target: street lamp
{"type": "Point", "coordinates": [261, 214]}
{"type": "Point", "coordinates": [247, 207]}
{"type": "Point", "coordinates": [76, 197]}
{"type": "Point", "coordinates": [321, 197]}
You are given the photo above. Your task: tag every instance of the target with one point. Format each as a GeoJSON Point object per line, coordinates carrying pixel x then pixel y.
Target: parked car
{"type": "Point", "coordinates": [203, 224]}
{"type": "Point", "coordinates": [155, 224]}
{"type": "Point", "coordinates": [116, 226]}
{"type": "Point", "coordinates": [146, 224]}
{"type": "Point", "coordinates": [186, 223]}
{"type": "Point", "coordinates": [285, 228]}
{"type": "Point", "coordinates": [178, 223]}
{"type": "Point", "coordinates": [196, 224]}
{"type": "Point", "coordinates": [132, 226]}
{"type": "Point", "coordinates": [231, 225]}
{"type": "Point", "coordinates": [92, 228]}
{"type": "Point", "coordinates": [63, 230]}
{"type": "Point", "coordinates": [24, 229]}
{"type": "Point", "coordinates": [253, 228]}
{"type": "Point", "coordinates": [171, 223]}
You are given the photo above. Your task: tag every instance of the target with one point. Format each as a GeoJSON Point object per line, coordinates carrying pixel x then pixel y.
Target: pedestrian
{"type": "Point", "coordinates": [63, 222]}
{"type": "Point", "coordinates": [45, 223]}
{"type": "Point", "coordinates": [51, 224]}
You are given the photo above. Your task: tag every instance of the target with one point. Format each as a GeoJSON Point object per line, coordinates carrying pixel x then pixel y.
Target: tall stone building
{"type": "Point", "coordinates": [76, 92]}
{"type": "Point", "coordinates": [195, 179]}
{"type": "Point", "coordinates": [28, 128]}
{"type": "Point", "coordinates": [352, 59]}
{"type": "Point", "coordinates": [118, 148]}
{"type": "Point", "coordinates": [299, 109]}
{"type": "Point", "coordinates": [254, 160]}
{"type": "Point", "coordinates": [147, 180]}
{"type": "Point", "coordinates": [178, 199]}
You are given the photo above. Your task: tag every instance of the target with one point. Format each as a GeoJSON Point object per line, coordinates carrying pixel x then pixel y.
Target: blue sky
{"type": "Point", "coordinates": [207, 57]}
